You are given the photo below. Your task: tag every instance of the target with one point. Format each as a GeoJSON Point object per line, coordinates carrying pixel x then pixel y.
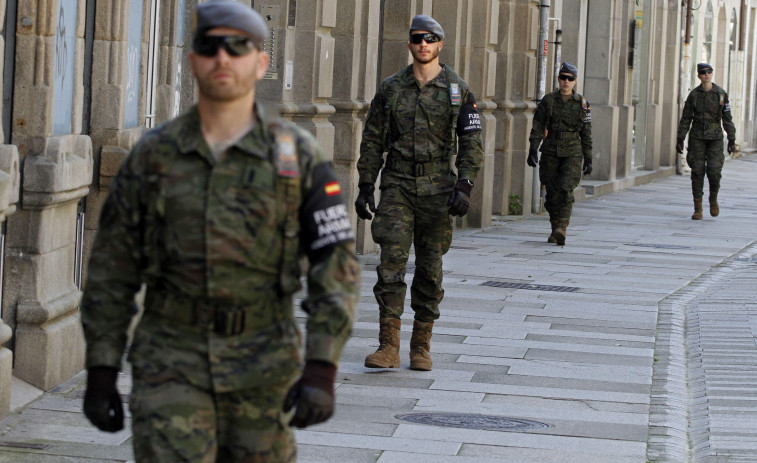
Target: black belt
{"type": "Point", "coordinates": [416, 169]}
{"type": "Point", "coordinates": [225, 319]}
{"type": "Point", "coordinates": [562, 135]}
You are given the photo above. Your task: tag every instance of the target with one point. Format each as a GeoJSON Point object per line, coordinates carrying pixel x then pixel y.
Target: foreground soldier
{"type": "Point", "coordinates": [566, 150]}
{"type": "Point", "coordinates": [419, 116]}
{"type": "Point", "coordinates": [706, 112]}
{"type": "Point", "coordinates": [210, 211]}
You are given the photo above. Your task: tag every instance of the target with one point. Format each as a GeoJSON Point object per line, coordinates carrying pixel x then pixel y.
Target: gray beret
{"type": "Point", "coordinates": [569, 67]}
{"type": "Point", "coordinates": [701, 66]}
{"type": "Point", "coordinates": [229, 13]}
{"type": "Point", "coordinates": [423, 22]}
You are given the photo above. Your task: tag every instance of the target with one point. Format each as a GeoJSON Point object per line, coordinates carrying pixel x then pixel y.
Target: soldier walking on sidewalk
{"type": "Point", "coordinates": [566, 148]}
{"type": "Point", "coordinates": [706, 113]}
{"type": "Point", "coordinates": [421, 117]}
{"type": "Point", "coordinates": [210, 211]}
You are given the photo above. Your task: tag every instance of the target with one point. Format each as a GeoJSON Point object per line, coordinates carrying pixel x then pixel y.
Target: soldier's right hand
{"type": "Point", "coordinates": [312, 395]}
{"type": "Point", "coordinates": [365, 198]}
{"type": "Point", "coordinates": [102, 403]}
{"type": "Point", "coordinates": [533, 157]}
{"type": "Point", "coordinates": [679, 146]}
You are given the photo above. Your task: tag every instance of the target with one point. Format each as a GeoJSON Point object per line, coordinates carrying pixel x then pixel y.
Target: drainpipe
{"type": "Point", "coordinates": [541, 72]}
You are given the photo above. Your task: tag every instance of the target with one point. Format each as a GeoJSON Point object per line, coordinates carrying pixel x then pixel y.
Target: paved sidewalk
{"type": "Point", "coordinates": [635, 342]}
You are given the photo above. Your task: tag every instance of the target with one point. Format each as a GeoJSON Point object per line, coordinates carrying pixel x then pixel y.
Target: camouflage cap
{"type": "Point", "coordinates": [229, 13]}
{"type": "Point", "coordinates": [703, 66]}
{"type": "Point", "coordinates": [424, 22]}
{"type": "Point", "coordinates": [569, 68]}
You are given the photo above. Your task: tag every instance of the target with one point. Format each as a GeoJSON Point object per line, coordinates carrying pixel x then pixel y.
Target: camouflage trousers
{"type": "Point", "coordinates": [176, 421]}
{"type": "Point", "coordinates": [403, 219]}
{"type": "Point", "coordinates": [705, 157]}
{"type": "Point", "coordinates": [560, 176]}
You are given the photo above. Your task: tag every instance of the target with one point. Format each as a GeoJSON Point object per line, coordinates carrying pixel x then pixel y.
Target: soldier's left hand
{"type": "Point", "coordinates": [102, 403]}
{"type": "Point", "coordinates": [731, 146]}
{"type": "Point", "coordinates": [587, 165]}
{"type": "Point", "coordinates": [312, 395]}
{"type": "Point", "coordinates": [459, 201]}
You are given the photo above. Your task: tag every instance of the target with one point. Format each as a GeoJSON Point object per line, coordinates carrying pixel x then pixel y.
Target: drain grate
{"type": "Point", "coordinates": [659, 246]}
{"type": "Point", "coordinates": [473, 421]}
{"type": "Point", "coordinates": [25, 445]}
{"type": "Point", "coordinates": [508, 284]}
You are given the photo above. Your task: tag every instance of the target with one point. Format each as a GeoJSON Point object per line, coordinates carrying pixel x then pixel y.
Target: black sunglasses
{"type": "Point", "coordinates": [428, 37]}
{"type": "Point", "coordinates": [567, 77]}
{"type": "Point", "coordinates": [706, 71]}
{"type": "Point", "coordinates": [235, 45]}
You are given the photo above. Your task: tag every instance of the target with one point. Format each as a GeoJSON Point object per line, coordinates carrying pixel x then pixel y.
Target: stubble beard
{"type": "Point", "coordinates": [424, 59]}
{"type": "Point", "coordinates": [229, 91]}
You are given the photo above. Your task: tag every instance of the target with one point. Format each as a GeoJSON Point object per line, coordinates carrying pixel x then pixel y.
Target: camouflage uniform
{"type": "Point", "coordinates": [706, 114]}
{"type": "Point", "coordinates": [417, 180]}
{"type": "Point", "coordinates": [567, 143]}
{"type": "Point", "coordinates": [218, 244]}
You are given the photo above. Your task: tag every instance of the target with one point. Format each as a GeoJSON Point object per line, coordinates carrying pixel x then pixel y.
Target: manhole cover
{"type": "Point", "coordinates": [659, 246]}
{"type": "Point", "coordinates": [509, 284]}
{"type": "Point", "coordinates": [473, 421]}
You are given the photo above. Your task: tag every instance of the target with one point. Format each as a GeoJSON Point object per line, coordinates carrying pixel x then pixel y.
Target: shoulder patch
{"type": "Point", "coordinates": [286, 154]}
{"type": "Point", "coordinates": [454, 94]}
{"type": "Point", "coordinates": [584, 103]}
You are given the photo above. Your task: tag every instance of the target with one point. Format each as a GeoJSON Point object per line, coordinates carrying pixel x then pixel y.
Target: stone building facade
{"type": "Point", "coordinates": [83, 80]}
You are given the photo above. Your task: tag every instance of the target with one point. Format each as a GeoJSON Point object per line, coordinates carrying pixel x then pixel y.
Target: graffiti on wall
{"type": "Point", "coordinates": [133, 66]}
{"type": "Point", "coordinates": [63, 84]}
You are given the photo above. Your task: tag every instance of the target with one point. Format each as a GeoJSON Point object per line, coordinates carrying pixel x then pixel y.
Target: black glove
{"type": "Point", "coordinates": [365, 197]}
{"type": "Point", "coordinates": [102, 404]}
{"type": "Point", "coordinates": [587, 165]}
{"type": "Point", "coordinates": [459, 201]}
{"type": "Point", "coordinates": [679, 146]}
{"type": "Point", "coordinates": [533, 157]}
{"type": "Point", "coordinates": [313, 394]}
{"type": "Point", "coordinates": [731, 146]}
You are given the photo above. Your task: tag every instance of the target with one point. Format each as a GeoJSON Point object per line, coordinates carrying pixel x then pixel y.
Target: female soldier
{"type": "Point", "coordinates": [566, 148]}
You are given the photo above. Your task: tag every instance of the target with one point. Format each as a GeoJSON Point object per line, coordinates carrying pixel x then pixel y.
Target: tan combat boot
{"type": "Point", "coordinates": [714, 208]}
{"type": "Point", "coordinates": [561, 231]}
{"type": "Point", "coordinates": [420, 357]}
{"type": "Point", "coordinates": [697, 215]}
{"type": "Point", "coordinates": [388, 353]}
{"type": "Point", "coordinates": [552, 238]}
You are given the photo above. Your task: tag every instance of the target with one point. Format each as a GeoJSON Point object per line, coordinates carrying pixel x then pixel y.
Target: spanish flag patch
{"type": "Point", "coordinates": [332, 188]}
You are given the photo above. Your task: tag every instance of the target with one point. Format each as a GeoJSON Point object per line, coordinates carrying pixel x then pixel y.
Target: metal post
{"type": "Point", "coordinates": [541, 71]}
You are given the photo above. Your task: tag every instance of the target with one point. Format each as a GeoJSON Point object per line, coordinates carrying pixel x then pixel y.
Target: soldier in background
{"type": "Point", "coordinates": [421, 116]}
{"type": "Point", "coordinates": [211, 212]}
{"type": "Point", "coordinates": [706, 113]}
{"type": "Point", "coordinates": [566, 148]}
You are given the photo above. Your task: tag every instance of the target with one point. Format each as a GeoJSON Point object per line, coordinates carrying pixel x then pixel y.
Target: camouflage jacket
{"type": "Point", "coordinates": [419, 128]}
{"type": "Point", "coordinates": [707, 114]}
{"type": "Point", "coordinates": [225, 233]}
{"type": "Point", "coordinates": [568, 125]}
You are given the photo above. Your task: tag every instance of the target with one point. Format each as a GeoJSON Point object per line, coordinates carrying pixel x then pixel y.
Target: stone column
{"type": "Point", "coordinates": [119, 63]}
{"type": "Point", "coordinates": [175, 85]}
{"type": "Point", "coordinates": [624, 95]}
{"type": "Point", "coordinates": [598, 85]}
{"type": "Point", "coordinates": [301, 76]}
{"type": "Point", "coordinates": [9, 189]}
{"type": "Point", "coordinates": [470, 37]}
{"type": "Point", "coordinates": [670, 70]}
{"type": "Point", "coordinates": [514, 98]}
{"type": "Point", "coordinates": [356, 38]}
{"type": "Point", "coordinates": [40, 294]}
{"type": "Point", "coordinates": [656, 15]}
